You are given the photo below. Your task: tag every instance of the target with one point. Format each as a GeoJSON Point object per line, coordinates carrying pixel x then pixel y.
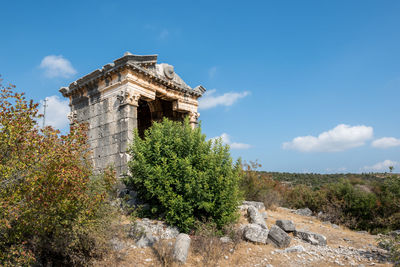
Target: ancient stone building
{"type": "Point", "coordinates": [130, 93]}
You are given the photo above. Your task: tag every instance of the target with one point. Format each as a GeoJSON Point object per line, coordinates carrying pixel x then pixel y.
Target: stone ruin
{"type": "Point", "coordinates": [132, 92]}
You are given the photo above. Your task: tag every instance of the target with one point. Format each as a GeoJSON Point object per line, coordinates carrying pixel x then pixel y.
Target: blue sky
{"type": "Point", "coordinates": [300, 86]}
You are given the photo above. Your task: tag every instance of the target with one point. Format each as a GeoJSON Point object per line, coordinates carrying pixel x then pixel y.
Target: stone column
{"type": "Point", "coordinates": [126, 123]}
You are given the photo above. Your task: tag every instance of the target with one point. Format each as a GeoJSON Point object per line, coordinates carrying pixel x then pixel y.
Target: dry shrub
{"type": "Point", "coordinates": [163, 249]}
{"type": "Point", "coordinates": [207, 244]}
{"type": "Point", "coordinates": [258, 186]}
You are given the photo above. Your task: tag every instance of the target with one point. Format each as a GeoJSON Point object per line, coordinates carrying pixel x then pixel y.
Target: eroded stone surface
{"type": "Point", "coordinates": [286, 225]}
{"type": "Point", "coordinates": [129, 93]}
{"type": "Point", "coordinates": [310, 237]}
{"type": "Point", "coordinates": [255, 233]}
{"type": "Point", "coordinates": [255, 217]}
{"type": "Point", "coordinates": [257, 205]}
{"type": "Point", "coordinates": [181, 248]}
{"type": "Point", "coordinates": [278, 237]}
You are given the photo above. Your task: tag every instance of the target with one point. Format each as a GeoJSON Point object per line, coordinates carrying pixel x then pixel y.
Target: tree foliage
{"type": "Point", "coordinates": [184, 177]}
{"type": "Point", "coordinates": [49, 205]}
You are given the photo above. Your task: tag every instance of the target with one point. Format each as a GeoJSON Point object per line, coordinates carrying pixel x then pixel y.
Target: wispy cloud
{"type": "Point", "coordinates": [57, 66]}
{"type": "Point", "coordinates": [382, 166]}
{"type": "Point", "coordinates": [340, 138]}
{"type": "Point", "coordinates": [211, 100]}
{"type": "Point", "coordinates": [212, 72]}
{"type": "Point", "coordinates": [163, 34]}
{"type": "Point", "coordinates": [226, 139]}
{"type": "Point", "coordinates": [386, 142]}
{"type": "Point", "coordinates": [56, 112]}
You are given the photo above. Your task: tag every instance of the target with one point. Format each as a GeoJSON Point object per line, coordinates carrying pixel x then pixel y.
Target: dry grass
{"type": "Point", "coordinates": [163, 250]}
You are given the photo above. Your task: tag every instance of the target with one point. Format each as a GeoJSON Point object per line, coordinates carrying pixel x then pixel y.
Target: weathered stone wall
{"type": "Point", "coordinates": [108, 100]}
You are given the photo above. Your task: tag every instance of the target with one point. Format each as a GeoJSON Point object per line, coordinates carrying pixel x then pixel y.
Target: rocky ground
{"type": "Point", "coordinates": [344, 247]}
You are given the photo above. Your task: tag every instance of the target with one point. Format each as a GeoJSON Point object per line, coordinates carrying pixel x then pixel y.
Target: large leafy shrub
{"type": "Point", "coordinates": [51, 211]}
{"type": "Point", "coordinates": [184, 177]}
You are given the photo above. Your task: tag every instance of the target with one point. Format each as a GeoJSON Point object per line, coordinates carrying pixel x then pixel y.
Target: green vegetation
{"type": "Point", "coordinates": [183, 177]}
{"type": "Point", "coordinates": [51, 211]}
{"type": "Point", "coordinates": [360, 201]}
{"type": "Point", "coordinates": [316, 180]}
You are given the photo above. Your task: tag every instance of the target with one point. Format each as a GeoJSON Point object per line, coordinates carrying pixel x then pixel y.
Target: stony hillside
{"type": "Point", "coordinates": [344, 247]}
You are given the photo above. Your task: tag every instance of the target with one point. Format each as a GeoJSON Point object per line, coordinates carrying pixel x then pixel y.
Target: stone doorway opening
{"type": "Point", "coordinates": [144, 117]}
{"type": "Point", "coordinates": [156, 110]}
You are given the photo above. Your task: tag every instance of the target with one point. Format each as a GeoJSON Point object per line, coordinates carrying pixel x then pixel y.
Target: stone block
{"type": "Point", "coordinates": [258, 205]}
{"type": "Point", "coordinates": [286, 225]}
{"type": "Point", "coordinates": [256, 217]}
{"type": "Point", "coordinates": [181, 248]}
{"type": "Point", "coordinates": [278, 237]}
{"type": "Point", "coordinates": [255, 233]}
{"type": "Point", "coordinates": [310, 237]}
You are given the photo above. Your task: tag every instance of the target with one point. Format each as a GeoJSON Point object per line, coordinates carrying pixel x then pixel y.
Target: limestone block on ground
{"type": "Point", "coordinates": [255, 233]}
{"type": "Point", "coordinates": [256, 217]}
{"type": "Point", "coordinates": [181, 248]}
{"type": "Point", "coordinates": [304, 212]}
{"type": "Point", "coordinates": [286, 225]}
{"type": "Point", "coordinates": [278, 237]}
{"type": "Point", "coordinates": [310, 237]}
{"type": "Point", "coordinates": [258, 205]}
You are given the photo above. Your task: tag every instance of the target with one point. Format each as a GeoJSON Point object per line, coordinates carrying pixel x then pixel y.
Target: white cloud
{"type": "Point", "coordinates": [386, 142]}
{"type": "Point", "coordinates": [57, 66]}
{"type": "Point", "coordinates": [210, 100]}
{"type": "Point", "coordinates": [56, 112]}
{"type": "Point", "coordinates": [381, 166]}
{"type": "Point", "coordinates": [212, 72]}
{"type": "Point", "coordinates": [226, 139]}
{"type": "Point", "coordinates": [340, 138]}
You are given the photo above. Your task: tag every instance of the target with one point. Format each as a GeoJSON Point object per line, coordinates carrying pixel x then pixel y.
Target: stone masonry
{"type": "Point", "coordinates": [129, 93]}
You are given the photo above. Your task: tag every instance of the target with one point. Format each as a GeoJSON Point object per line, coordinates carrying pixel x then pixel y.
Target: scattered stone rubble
{"type": "Point", "coordinates": [314, 246]}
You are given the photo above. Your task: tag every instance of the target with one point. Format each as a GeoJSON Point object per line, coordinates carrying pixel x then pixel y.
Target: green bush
{"type": "Point", "coordinates": [184, 177]}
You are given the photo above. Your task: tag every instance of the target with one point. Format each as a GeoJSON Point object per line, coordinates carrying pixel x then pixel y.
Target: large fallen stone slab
{"type": "Point", "coordinates": [255, 233]}
{"type": "Point", "coordinates": [257, 205]}
{"type": "Point", "coordinates": [286, 225]}
{"type": "Point", "coordinates": [181, 248]}
{"type": "Point", "coordinates": [256, 217]}
{"type": "Point", "coordinates": [278, 237]}
{"type": "Point", "coordinates": [310, 237]}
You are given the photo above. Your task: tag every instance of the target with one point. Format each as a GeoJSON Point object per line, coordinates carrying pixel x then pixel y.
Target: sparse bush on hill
{"type": "Point", "coordinates": [258, 186]}
{"type": "Point", "coordinates": [359, 201]}
{"type": "Point", "coordinates": [183, 177]}
{"type": "Point", "coordinates": [51, 211]}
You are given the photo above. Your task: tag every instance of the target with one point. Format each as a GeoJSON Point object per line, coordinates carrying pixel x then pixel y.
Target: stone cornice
{"type": "Point", "coordinates": [140, 64]}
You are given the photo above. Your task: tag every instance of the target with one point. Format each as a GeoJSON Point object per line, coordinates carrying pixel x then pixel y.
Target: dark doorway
{"type": "Point", "coordinates": [144, 117]}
